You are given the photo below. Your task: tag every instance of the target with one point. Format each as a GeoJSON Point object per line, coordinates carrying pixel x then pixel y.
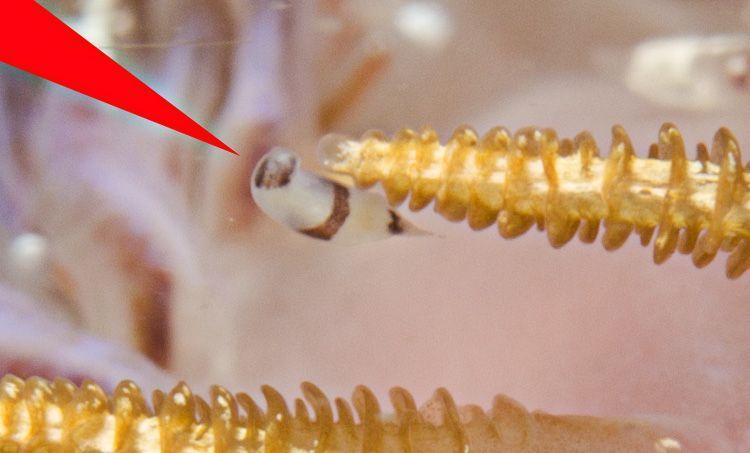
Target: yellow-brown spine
{"type": "Point", "coordinates": [563, 186]}
{"type": "Point", "coordinates": [37, 415]}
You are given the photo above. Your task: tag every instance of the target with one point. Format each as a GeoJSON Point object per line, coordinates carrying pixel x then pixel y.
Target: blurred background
{"type": "Point", "coordinates": [128, 251]}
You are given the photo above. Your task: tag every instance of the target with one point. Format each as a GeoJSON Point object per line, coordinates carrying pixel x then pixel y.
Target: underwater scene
{"type": "Point", "coordinates": [450, 226]}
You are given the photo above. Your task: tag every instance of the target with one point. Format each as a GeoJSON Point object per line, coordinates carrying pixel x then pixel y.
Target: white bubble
{"type": "Point", "coordinates": [424, 23]}
{"type": "Point", "coordinates": [28, 252]}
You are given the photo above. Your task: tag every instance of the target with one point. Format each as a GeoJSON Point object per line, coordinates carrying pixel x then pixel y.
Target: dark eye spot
{"type": "Point", "coordinates": [275, 172]}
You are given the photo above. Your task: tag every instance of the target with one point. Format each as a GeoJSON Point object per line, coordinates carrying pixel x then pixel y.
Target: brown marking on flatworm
{"type": "Point", "coordinates": [395, 226]}
{"type": "Point", "coordinates": [563, 186]}
{"type": "Point", "coordinates": [36, 414]}
{"type": "Point", "coordinates": [272, 175]}
{"type": "Point", "coordinates": [339, 213]}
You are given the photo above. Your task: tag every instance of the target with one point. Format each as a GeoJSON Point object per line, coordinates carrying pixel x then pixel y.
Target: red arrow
{"type": "Point", "coordinates": [34, 40]}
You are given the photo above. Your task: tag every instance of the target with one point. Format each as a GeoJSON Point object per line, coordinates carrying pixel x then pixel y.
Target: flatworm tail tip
{"type": "Point", "coordinates": [403, 227]}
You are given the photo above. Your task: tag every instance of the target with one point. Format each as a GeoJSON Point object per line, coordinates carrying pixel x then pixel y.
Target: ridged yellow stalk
{"type": "Point", "coordinates": [564, 186]}
{"type": "Point", "coordinates": [36, 415]}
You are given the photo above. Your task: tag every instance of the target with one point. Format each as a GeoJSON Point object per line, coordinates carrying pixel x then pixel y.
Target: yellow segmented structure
{"type": "Point", "coordinates": [37, 415]}
{"type": "Point", "coordinates": [564, 186]}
